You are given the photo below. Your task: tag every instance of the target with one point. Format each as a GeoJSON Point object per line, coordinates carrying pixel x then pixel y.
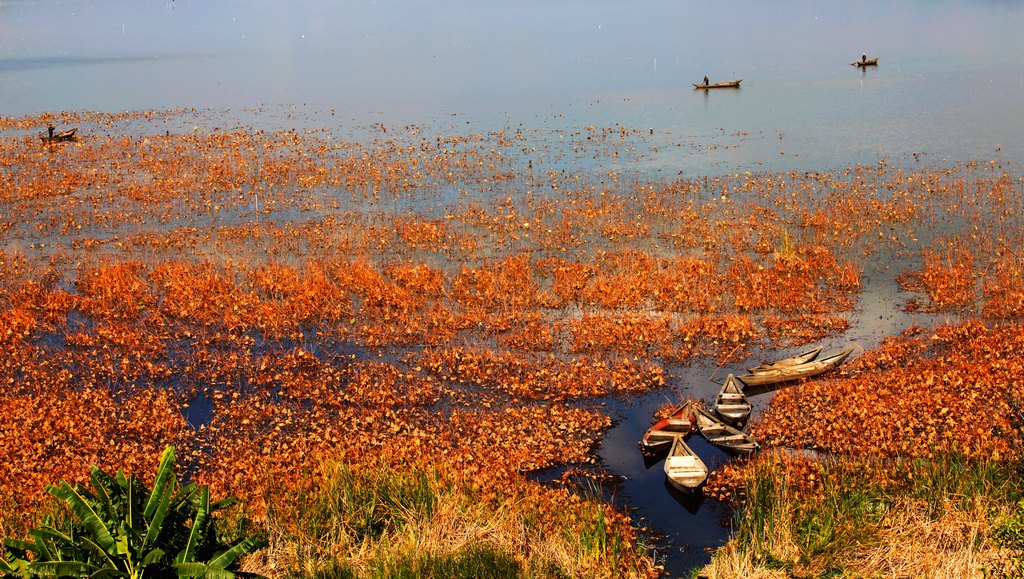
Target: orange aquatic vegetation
{"type": "Point", "coordinates": [299, 296]}
{"type": "Point", "coordinates": [947, 279]}
{"type": "Point", "coordinates": [951, 391]}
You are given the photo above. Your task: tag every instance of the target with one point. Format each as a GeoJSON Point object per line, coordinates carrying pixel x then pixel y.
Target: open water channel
{"type": "Point", "coordinates": [949, 87]}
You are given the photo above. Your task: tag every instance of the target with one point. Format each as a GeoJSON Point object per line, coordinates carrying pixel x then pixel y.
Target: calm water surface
{"type": "Point", "coordinates": [949, 87]}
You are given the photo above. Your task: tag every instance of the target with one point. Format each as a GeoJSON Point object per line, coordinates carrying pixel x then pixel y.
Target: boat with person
{"type": "Point", "coordinates": [801, 358]}
{"type": "Point", "coordinates": [730, 403]}
{"type": "Point", "coordinates": [684, 469]}
{"type": "Point", "coordinates": [866, 62]}
{"type": "Point", "coordinates": [798, 371]}
{"type": "Point", "coordinates": [50, 137]}
{"type": "Point", "coordinates": [659, 437]}
{"type": "Point", "coordinates": [725, 84]}
{"type": "Point", "coordinates": [723, 435]}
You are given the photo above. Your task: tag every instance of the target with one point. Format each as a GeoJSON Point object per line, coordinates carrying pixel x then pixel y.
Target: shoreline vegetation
{"type": "Point", "coordinates": [372, 343]}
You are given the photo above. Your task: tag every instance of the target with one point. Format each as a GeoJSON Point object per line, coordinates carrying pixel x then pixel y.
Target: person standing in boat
{"type": "Point", "coordinates": [864, 57]}
{"type": "Point", "coordinates": [705, 80]}
{"type": "Point", "coordinates": [50, 129]}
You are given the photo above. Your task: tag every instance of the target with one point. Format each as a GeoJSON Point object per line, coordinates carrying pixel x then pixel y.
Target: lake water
{"type": "Point", "coordinates": [949, 87]}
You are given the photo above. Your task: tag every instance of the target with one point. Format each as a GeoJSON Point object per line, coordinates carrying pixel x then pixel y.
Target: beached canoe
{"type": "Point", "coordinates": [807, 370]}
{"type": "Point", "coordinates": [67, 135]}
{"type": "Point", "coordinates": [727, 84]}
{"type": "Point", "coordinates": [730, 403]}
{"type": "Point", "coordinates": [801, 358]}
{"type": "Point", "coordinates": [868, 62]}
{"type": "Point", "coordinates": [659, 437]}
{"type": "Point", "coordinates": [684, 469]}
{"type": "Point", "coordinates": [723, 435]}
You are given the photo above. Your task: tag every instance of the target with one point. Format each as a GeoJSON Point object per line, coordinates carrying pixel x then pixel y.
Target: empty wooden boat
{"type": "Point", "coordinates": [659, 437]}
{"type": "Point", "coordinates": [723, 435]}
{"type": "Point", "coordinates": [726, 84]}
{"type": "Point", "coordinates": [801, 358]}
{"type": "Point", "coordinates": [684, 469]}
{"type": "Point", "coordinates": [868, 62]}
{"type": "Point", "coordinates": [806, 370]}
{"type": "Point", "coordinates": [730, 403]}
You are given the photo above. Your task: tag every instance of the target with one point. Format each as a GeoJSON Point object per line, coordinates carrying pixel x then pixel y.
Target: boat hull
{"type": "Point", "coordinates": [683, 468]}
{"type": "Point", "coordinates": [727, 84]}
{"type": "Point", "coordinates": [798, 372]}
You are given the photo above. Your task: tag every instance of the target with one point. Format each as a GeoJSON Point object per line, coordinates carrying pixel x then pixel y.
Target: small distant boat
{"type": "Point", "coordinates": [659, 437]}
{"type": "Point", "coordinates": [67, 135]}
{"type": "Point", "coordinates": [801, 358]}
{"type": "Point", "coordinates": [726, 84]}
{"type": "Point", "coordinates": [868, 62]}
{"type": "Point", "coordinates": [806, 370]}
{"type": "Point", "coordinates": [730, 403]}
{"type": "Point", "coordinates": [723, 435]}
{"type": "Point", "coordinates": [684, 469]}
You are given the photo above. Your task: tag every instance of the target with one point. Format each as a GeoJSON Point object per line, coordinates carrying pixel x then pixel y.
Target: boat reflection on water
{"type": "Point", "coordinates": [692, 500]}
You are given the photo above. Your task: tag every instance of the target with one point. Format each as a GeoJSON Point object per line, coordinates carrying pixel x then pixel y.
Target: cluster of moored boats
{"type": "Point", "coordinates": [722, 425]}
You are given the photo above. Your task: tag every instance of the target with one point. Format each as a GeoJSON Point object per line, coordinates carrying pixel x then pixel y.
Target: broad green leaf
{"type": "Point", "coordinates": [243, 547]}
{"type": "Point", "coordinates": [62, 568]}
{"type": "Point", "coordinates": [223, 504]}
{"type": "Point", "coordinates": [85, 511]}
{"type": "Point", "coordinates": [198, 533]}
{"type": "Point", "coordinates": [106, 490]}
{"type": "Point", "coordinates": [19, 545]}
{"type": "Point", "coordinates": [163, 477]}
{"type": "Point", "coordinates": [111, 561]}
{"type": "Point", "coordinates": [187, 496]}
{"type": "Point", "coordinates": [202, 570]}
{"type": "Point", "coordinates": [152, 557]}
{"type": "Point", "coordinates": [155, 521]}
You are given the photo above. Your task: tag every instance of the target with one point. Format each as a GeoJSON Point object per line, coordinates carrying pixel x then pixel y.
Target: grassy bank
{"type": "Point", "coordinates": [386, 520]}
{"type": "Point", "coordinates": [908, 469]}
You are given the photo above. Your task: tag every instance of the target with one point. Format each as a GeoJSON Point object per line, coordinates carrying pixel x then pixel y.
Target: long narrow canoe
{"type": "Point", "coordinates": [807, 370]}
{"type": "Point", "coordinates": [801, 358]}
{"type": "Point", "coordinates": [726, 84]}
{"type": "Point", "coordinates": [730, 403]}
{"type": "Point", "coordinates": [659, 437]}
{"type": "Point", "coordinates": [684, 469]}
{"type": "Point", "coordinates": [67, 135]}
{"type": "Point", "coordinates": [723, 435]}
{"type": "Point", "coordinates": [868, 62]}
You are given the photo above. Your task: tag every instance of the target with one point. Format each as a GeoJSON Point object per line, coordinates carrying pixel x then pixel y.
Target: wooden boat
{"type": "Point", "coordinates": [659, 437]}
{"type": "Point", "coordinates": [726, 84]}
{"type": "Point", "coordinates": [730, 403]}
{"type": "Point", "coordinates": [722, 435]}
{"type": "Point", "coordinates": [67, 135]}
{"type": "Point", "coordinates": [684, 469]}
{"type": "Point", "coordinates": [801, 358]}
{"type": "Point", "coordinates": [806, 370]}
{"type": "Point", "coordinates": [868, 62]}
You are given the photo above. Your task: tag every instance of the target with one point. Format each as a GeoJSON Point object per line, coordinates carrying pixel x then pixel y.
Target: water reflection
{"type": "Point", "coordinates": [690, 501]}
